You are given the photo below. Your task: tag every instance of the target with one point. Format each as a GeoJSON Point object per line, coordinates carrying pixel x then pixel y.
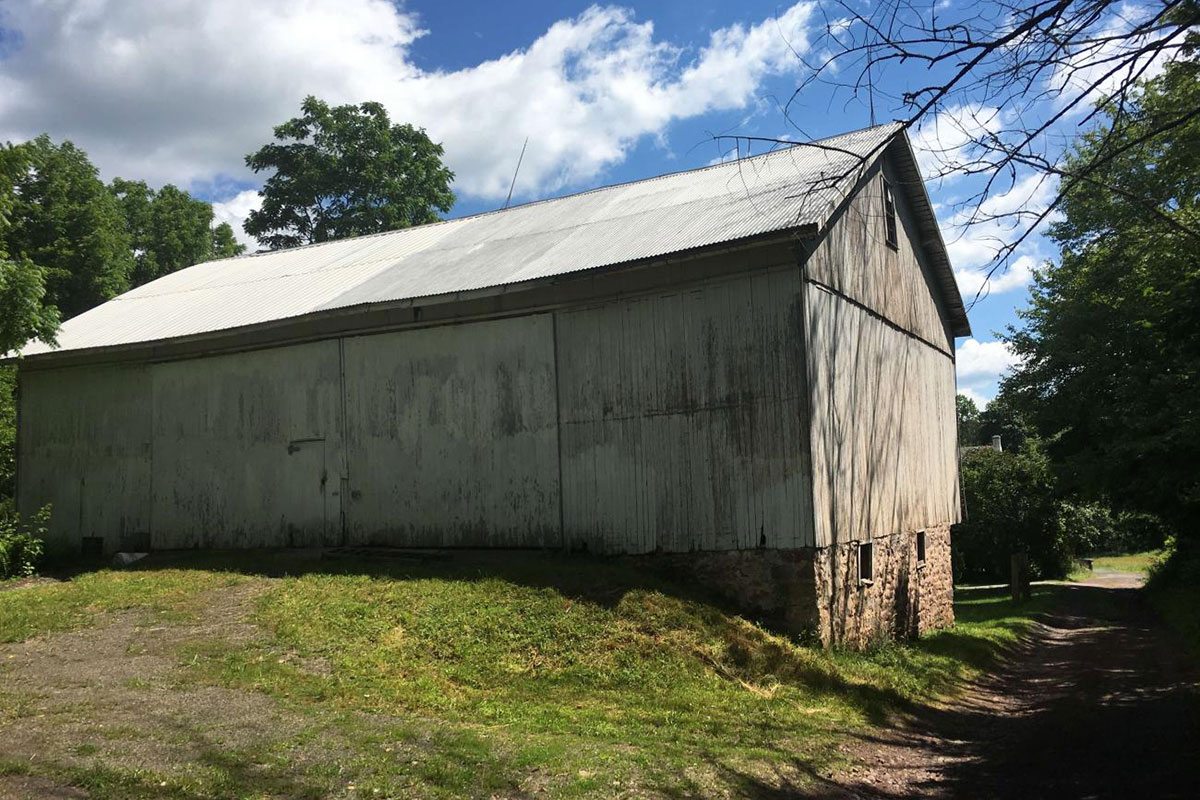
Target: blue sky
{"type": "Point", "coordinates": [179, 92]}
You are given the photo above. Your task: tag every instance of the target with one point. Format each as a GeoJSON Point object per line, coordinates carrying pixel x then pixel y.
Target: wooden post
{"type": "Point", "coordinates": [1020, 577]}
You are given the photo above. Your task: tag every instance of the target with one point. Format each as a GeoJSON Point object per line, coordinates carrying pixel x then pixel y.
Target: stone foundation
{"type": "Point", "coordinates": [818, 591]}
{"type": "Point", "coordinates": [777, 586]}
{"type": "Point", "coordinates": [904, 599]}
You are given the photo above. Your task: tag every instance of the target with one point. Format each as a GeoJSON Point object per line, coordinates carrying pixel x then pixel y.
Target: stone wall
{"type": "Point", "coordinates": [805, 590]}
{"type": "Point", "coordinates": [775, 586]}
{"type": "Point", "coordinates": [904, 599]}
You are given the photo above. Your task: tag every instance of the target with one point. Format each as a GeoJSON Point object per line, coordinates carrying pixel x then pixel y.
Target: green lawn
{"type": "Point", "coordinates": [1139, 563]}
{"type": "Point", "coordinates": [464, 677]}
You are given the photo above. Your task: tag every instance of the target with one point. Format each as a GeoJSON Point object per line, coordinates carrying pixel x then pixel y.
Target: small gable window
{"type": "Point", "coordinates": [889, 215]}
{"type": "Point", "coordinates": [920, 547]}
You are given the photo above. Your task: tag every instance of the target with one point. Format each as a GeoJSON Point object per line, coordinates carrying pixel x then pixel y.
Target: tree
{"type": "Point", "coordinates": [23, 312]}
{"type": "Point", "coordinates": [346, 171]}
{"type": "Point", "coordinates": [224, 245]}
{"type": "Point", "coordinates": [1009, 507]}
{"type": "Point", "coordinates": [169, 230]}
{"type": "Point", "coordinates": [968, 421]}
{"type": "Point", "coordinates": [64, 220]}
{"type": "Point", "coordinates": [1111, 340]}
{"type": "Point", "coordinates": [1004, 418]}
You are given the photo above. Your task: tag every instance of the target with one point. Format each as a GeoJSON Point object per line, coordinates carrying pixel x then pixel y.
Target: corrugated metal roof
{"type": "Point", "coordinates": [774, 192]}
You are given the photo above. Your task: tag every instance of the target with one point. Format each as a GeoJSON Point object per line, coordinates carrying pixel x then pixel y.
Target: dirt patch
{"type": "Point", "coordinates": [1098, 702]}
{"type": "Point", "coordinates": [107, 693]}
{"type": "Point", "coordinates": [20, 787]}
{"type": "Point", "coordinates": [25, 583]}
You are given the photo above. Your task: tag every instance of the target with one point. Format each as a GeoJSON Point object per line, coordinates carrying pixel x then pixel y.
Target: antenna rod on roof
{"type": "Point", "coordinates": [520, 158]}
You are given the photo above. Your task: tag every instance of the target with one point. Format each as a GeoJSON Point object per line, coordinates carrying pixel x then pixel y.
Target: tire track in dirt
{"type": "Point", "coordinates": [1099, 701]}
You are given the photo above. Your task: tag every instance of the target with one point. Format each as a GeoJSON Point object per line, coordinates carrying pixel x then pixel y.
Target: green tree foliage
{"type": "Point", "coordinates": [968, 421]}
{"type": "Point", "coordinates": [346, 171]}
{"type": "Point", "coordinates": [23, 312]}
{"type": "Point", "coordinates": [169, 230]}
{"type": "Point", "coordinates": [65, 220]}
{"type": "Point", "coordinates": [224, 245]}
{"type": "Point", "coordinates": [1004, 418]}
{"type": "Point", "coordinates": [8, 433]}
{"type": "Point", "coordinates": [1010, 507]}
{"type": "Point", "coordinates": [22, 542]}
{"type": "Point", "coordinates": [1111, 340]}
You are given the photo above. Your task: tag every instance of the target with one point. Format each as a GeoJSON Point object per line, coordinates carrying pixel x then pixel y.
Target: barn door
{"type": "Point", "coordinates": [303, 494]}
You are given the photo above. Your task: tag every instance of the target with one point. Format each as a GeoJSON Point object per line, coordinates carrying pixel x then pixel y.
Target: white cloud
{"type": "Point", "coordinates": [981, 402]}
{"type": "Point", "coordinates": [1105, 60]}
{"type": "Point", "coordinates": [1016, 275]}
{"type": "Point", "coordinates": [943, 142]}
{"type": "Point", "coordinates": [976, 360]}
{"type": "Point", "coordinates": [235, 210]}
{"type": "Point", "coordinates": [976, 233]}
{"type": "Point", "coordinates": [181, 91]}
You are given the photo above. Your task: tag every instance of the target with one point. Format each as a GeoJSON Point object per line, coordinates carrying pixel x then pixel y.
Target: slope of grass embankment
{"type": "Point", "coordinates": [471, 676]}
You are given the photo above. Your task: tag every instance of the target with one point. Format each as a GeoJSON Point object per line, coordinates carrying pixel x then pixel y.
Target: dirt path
{"type": "Point", "coordinates": [1098, 703]}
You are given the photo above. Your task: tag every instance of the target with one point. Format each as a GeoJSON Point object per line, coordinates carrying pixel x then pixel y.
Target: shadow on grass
{"type": "Point", "coordinates": [988, 638]}
{"type": "Point", "coordinates": [1097, 701]}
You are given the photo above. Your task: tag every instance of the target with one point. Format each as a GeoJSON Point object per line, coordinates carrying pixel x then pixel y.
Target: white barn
{"type": "Point", "coordinates": [746, 370]}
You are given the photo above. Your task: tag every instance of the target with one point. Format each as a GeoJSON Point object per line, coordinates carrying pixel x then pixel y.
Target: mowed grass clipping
{"type": "Point", "coordinates": [529, 672]}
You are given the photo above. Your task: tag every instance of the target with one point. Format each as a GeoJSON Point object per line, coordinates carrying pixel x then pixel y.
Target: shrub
{"type": "Point", "coordinates": [1009, 508]}
{"type": "Point", "coordinates": [22, 543]}
{"type": "Point", "coordinates": [1087, 527]}
{"type": "Point", "coordinates": [1174, 589]}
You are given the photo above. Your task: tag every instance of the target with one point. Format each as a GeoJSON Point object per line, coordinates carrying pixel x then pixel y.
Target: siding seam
{"type": "Point", "coordinates": [562, 526]}
{"type": "Point", "coordinates": [873, 313]}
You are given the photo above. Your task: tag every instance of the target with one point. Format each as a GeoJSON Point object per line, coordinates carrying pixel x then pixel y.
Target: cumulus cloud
{"type": "Point", "coordinates": [981, 402]}
{"type": "Point", "coordinates": [986, 361]}
{"type": "Point", "coordinates": [1016, 275]}
{"type": "Point", "coordinates": [181, 91]}
{"type": "Point", "coordinates": [976, 234]}
{"type": "Point", "coordinates": [1104, 62]}
{"type": "Point", "coordinates": [943, 141]}
{"type": "Point", "coordinates": [235, 210]}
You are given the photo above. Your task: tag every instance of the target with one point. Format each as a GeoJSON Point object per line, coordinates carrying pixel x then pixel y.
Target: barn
{"type": "Point", "coordinates": [744, 372]}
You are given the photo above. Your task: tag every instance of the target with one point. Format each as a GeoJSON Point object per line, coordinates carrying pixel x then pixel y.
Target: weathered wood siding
{"type": "Point", "coordinates": [670, 418]}
{"type": "Point", "coordinates": [452, 435]}
{"type": "Point", "coordinates": [247, 449]}
{"type": "Point", "coordinates": [855, 261]}
{"type": "Point", "coordinates": [683, 419]}
{"type": "Point", "coordinates": [84, 449]}
{"type": "Point", "coordinates": [881, 372]}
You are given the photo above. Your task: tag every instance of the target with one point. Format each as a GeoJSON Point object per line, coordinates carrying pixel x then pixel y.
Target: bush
{"type": "Point", "coordinates": [1174, 589]}
{"type": "Point", "coordinates": [1093, 529]}
{"type": "Point", "coordinates": [21, 542]}
{"type": "Point", "coordinates": [1087, 527]}
{"type": "Point", "coordinates": [1010, 507]}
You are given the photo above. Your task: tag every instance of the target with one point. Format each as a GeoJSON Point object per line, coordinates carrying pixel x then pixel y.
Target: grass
{"type": "Point", "coordinates": [502, 677]}
{"type": "Point", "coordinates": [1138, 563]}
{"type": "Point", "coordinates": [171, 593]}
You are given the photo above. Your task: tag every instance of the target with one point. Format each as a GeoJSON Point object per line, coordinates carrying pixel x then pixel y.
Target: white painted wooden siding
{"type": "Point", "coordinates": [84, 449]}
{"type": "Point", "coordinates": [883, 425]}
{"type": "Point", "coordinates": [855, 260]}
{"type": "Point", "coordinates": [452, 435]}
{"type": "Point", "coordinates": [242, 444]}
{"type": "Point", "coordinates": [682, 419]}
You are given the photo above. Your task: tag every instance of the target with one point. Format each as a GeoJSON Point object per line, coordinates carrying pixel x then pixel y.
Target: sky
{"type": "Point", "coordinates": [179, 92]}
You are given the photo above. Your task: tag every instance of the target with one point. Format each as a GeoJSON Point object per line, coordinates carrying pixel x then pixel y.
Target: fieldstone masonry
{"type": "Point", "coordinates": [819, 591]}
{"type": "Point", "coordinates": [905, 598]}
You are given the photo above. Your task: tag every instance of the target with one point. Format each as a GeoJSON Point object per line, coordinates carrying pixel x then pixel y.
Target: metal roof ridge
{"type": "Point", "coordinates": [580, 193]}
